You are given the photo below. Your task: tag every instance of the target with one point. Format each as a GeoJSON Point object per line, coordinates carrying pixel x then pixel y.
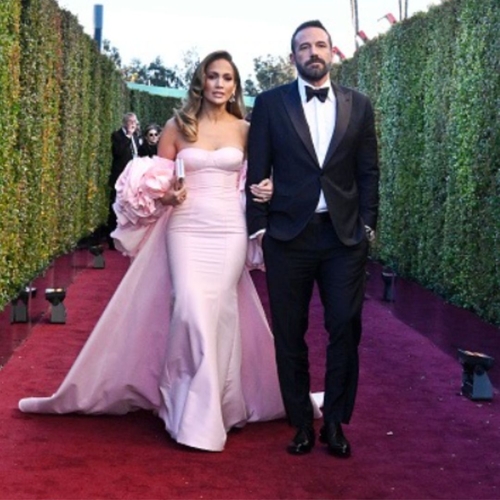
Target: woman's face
{"type": "Point", "coordinates": [152, 136]}
{"type": "Point", "coordinates": [220, 82]}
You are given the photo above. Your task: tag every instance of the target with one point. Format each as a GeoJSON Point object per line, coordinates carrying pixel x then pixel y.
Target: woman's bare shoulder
{"type": "Point", "coordinates": [171, 124]}
{"type": "Point", "coordinates": [171, 130]}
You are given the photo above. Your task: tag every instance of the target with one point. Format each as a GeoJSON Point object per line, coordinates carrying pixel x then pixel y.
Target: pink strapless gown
{"type": "Point", "coordinates": [185, 334]}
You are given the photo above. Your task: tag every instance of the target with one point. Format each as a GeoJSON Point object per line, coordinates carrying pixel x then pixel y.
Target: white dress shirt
{"type": "Point", "coordinates": [320, 118]}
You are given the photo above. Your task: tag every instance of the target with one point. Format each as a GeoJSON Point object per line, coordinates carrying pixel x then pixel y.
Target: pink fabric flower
{"type": "Point", "coordinates": [138, 190]}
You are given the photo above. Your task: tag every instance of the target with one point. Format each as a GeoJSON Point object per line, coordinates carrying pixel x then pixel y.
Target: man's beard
{"type": "Point", "coordinates": [313, 74]}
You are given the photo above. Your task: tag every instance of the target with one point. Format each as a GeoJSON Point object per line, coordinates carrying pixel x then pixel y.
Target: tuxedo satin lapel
{"type": "Point", "coordinates": [344, 104]}
{"type": "Point", "coordinates": [297, 117]}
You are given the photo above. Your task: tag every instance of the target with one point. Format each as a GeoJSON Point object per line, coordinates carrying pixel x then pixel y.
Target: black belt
{"type": "Point", "coordinates": [321, 218]}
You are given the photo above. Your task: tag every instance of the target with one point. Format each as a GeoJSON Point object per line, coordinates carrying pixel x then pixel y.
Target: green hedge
{"type": "Point", "coordinates": [152, 108]}
{"type": "Point", "coordinates": [39, 133]}
{"type": "Point", "coordinates": [10, 190]}
{"type": "Point", "coordinates": [434, 80]}
{"type": "Point", "coordinates": [59, 101]}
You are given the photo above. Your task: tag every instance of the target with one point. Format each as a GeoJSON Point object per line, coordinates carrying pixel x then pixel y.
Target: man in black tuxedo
{"type": "Point", "coordinates": [317, 140]}
{"type": "Point", "coordinates": [124, 147]}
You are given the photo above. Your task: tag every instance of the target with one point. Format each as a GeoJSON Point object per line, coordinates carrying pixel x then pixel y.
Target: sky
{"type": "Point", "coordinates": [146, 29]}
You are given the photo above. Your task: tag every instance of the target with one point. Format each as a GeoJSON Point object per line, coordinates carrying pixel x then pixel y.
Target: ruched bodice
{"type": "Point", "coordinates": [228, 158]}
{"type": "Point", "coordinates": [213, 202]}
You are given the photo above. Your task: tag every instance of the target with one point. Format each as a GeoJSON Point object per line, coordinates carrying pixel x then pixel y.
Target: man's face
{"type": "Point", "coordinates": [132, 125]}
{"type": "Point", "coordinates": [313, 55]}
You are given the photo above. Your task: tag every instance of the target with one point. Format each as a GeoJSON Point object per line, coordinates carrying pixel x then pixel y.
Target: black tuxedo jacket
{"type": "Point", "coordinates": [279, 144]}
{"type": "Point", "coordinates": [122, 151]}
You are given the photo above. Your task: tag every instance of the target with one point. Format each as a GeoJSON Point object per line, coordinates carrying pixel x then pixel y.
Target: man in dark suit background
{"type": "Point", "coordinates": [317, 140]}
{"type": "Point", "coordinates": [124, 147]}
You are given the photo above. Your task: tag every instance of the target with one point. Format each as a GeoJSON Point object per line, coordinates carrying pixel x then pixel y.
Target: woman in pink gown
{"type": "Point", "coordinates": [185, 334]}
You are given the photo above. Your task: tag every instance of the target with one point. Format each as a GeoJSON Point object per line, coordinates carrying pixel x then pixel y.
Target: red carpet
{"type": "Point", "coordinates": [413, 435]}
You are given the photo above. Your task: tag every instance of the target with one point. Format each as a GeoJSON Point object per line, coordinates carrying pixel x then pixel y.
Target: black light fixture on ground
{"type": "Point", "coordinates": [19, 306]}
{"type": "Point", "coordinates": [97, 252]}
{"type": "Point", "coordinates": [389, 279]}
{"type": "Point", "coordinates": [476, 384]}
{"type": "Point", "coordinates": [58, 311]}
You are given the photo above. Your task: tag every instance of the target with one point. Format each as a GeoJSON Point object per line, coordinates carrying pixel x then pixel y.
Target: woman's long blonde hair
{"type": "Point", "coordinates": [186, 117]}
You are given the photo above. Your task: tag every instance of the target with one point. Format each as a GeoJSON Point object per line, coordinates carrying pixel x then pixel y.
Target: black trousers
{"type": "Point", "coordinates": [112, 221]}
{"type": "Point", "coordinates": [292, 268]}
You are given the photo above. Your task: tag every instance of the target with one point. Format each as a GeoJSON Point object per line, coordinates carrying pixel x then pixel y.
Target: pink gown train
{"type": "Point", "coordinates": [185, 334]}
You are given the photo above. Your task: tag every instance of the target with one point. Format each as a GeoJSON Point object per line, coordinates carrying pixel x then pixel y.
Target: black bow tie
{"type": "Point", "coordinates": [321, 94]}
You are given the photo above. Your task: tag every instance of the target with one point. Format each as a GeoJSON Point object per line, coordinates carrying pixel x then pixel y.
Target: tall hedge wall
{"type": "Point", "coordinates": [435, 83]}
{"type": "Point", "coordinates": [152, 108]}
{"type": "Point", "coordinates": [10, 189]}
{"type": "Point", "coordinates": [59, 101]}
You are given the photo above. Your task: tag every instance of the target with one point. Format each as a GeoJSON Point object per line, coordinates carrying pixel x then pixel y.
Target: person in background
{"type": "Point", "coordinates": [185, 334]}
{"type": "Point", "coordinates": [317, 140]}
{"type": "Point", "coordinates": [149, 146]}
{"type": "Point", "coordinates": [124, 147]}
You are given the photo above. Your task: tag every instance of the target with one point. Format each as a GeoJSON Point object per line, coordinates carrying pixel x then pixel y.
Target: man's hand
{"type": "Point", "coordinates": [370, 234]}
{"type": "Point", "coordinates": [262, 191]}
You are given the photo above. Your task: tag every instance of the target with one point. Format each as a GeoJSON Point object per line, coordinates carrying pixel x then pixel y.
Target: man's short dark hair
{"type": "Point", "coordinates": [309, 24]}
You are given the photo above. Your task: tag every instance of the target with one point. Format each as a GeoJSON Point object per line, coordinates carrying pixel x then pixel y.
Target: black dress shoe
{"type": "Point", "coordinates": [303, 441]}
{"type": "Point", "coordinates": [331, 434]}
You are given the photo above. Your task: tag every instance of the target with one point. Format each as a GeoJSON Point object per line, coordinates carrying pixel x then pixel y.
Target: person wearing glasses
{"type": "Point", "coordinates": [149, 146]}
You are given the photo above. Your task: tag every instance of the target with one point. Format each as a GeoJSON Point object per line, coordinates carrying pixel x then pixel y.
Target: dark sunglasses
{"type": "Point", "coordinates": [152, 134]}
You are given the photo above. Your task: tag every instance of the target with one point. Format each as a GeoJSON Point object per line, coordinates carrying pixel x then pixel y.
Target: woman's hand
{"type": "Point", "coordinates": [175, 196]}
{"type": "Point", "coordinates": [262, 191]}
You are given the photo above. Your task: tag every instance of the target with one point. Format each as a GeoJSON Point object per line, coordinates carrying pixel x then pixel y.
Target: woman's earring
{"type": "Point", "coordinates": [232, 98]}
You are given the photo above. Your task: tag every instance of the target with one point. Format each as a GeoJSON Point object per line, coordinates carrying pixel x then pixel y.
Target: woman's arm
{"type": "Point", "coordinates": [167, 148]}
{"type": "Point", "coordinates": [167, 145]}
